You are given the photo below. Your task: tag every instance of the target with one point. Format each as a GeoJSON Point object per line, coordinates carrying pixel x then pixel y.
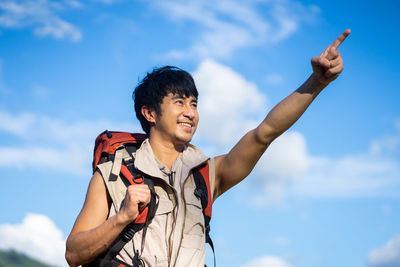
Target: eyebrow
{"type": "Point", "coordinates": [176, 96]}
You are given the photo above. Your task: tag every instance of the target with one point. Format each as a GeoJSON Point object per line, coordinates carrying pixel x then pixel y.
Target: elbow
{"type": "Point", "coordinates": [265, 135]}
{"type": "Point", "coordinates": [70, 256]}
{"type": "Point", "coordinates": [76, 255]}
{"type": "Point", "coordinates": [70, 259]}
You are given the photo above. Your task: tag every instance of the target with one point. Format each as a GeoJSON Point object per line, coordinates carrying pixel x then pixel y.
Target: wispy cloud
{"type": "Point", "coordinates": [37, 236]}
{"type": "Point", "coordinates": [387, 256]}
{"type": "Point", "coordinates": [43, 16]}
{"type": "Point", "coordinates": [32, 126]}
{"type": "Point", "coordinates": [73, 158]}
{"type": "Point", "coordinates": [227, 25]}
{"type": "Point", "coordinates": [48, 143]}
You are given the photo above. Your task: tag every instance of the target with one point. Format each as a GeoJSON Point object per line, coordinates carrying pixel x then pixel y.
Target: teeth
{"type": "Point", "coordinates": [185, 124]}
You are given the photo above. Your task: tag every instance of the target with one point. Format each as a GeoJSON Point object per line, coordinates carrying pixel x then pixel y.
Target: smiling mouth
{"type": "Point", "coordinates": [186, 124]}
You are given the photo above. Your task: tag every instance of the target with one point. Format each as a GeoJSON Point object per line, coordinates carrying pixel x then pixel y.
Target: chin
{"type": "Point", "coordinates": [184, 139]}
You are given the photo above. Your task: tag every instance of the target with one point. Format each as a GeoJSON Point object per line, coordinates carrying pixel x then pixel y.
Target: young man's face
{"type": "Point", "coordinates": [178, 119]}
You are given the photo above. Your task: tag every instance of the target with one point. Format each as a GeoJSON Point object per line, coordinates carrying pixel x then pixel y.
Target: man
{"type": "Point", "coordinates": [166, 106]}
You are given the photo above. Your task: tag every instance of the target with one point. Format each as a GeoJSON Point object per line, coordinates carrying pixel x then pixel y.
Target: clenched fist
{"type": "Point", "coordinates": [136, 199]}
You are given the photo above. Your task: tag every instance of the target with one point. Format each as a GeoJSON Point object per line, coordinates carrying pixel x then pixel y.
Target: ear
{"type": "Point", "coordinates": [149, 114]}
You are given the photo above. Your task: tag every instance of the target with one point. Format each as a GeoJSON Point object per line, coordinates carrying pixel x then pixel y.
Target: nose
{"type": "Point", "coordinates": [189, 112]}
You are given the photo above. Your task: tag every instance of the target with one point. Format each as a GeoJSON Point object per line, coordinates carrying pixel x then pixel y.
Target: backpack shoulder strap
{"type": "Point", "coordinates": [141, 222]}
{"type": "Point", "coordinates": [110, 172]}
{"type": "Point", "coordinates": [202, 175]}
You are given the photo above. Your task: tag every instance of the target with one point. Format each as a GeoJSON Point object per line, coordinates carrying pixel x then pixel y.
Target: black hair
{"type": "Point", "coordinates": [158, 84]}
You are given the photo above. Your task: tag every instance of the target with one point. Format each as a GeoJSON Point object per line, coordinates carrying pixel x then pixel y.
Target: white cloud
{"type": "Point", "coordinates": [286, 157]}
{"type": "Point", "coordinates": [31, 126]}
{"type": "Point", "coordinates": [285, 161]}
{"type": "Point", "coordinates": [387, 256]}
{"type": "Point", "coordinates": [268, 261]}
{"type": "Point", "coordinates": [48, 143]}
{"type": "Point", "coordinates": [37, 236]}
{"type": "Point", "coordinates": [42, 16]}
{"type": "Point", "coordinates": [228, 104]}
{"type": "Point", "coordinates": [350, 176]}
{"type": "Point", "coordinates": [372, 173]}
{"type": "Point", "coordinates": [229, 25]}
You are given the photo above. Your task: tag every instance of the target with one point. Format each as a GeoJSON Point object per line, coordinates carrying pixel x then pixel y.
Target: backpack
{"type": "Point", "coordinates": [119, 147]}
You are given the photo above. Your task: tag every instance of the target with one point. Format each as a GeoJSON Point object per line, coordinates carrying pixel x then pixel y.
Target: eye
{"type": "Point", "coordinates": [179, 101]}
{"type": "Point", "coordinates": [194, 105]}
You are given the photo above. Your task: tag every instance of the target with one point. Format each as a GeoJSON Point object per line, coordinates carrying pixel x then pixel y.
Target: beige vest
{"type": "Point", "coordinates": [176, 236]}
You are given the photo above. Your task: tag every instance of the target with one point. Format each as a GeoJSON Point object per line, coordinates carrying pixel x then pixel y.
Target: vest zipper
{"type": "Point", "coordinates": [171, 178]}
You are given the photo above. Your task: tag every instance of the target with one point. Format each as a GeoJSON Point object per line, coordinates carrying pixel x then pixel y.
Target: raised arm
{"type": "Point", "coordinates": [240, 161]}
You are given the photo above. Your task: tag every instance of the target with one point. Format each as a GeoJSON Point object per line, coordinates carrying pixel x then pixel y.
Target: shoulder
{"type": "Point", "coordinates": [96, 207]}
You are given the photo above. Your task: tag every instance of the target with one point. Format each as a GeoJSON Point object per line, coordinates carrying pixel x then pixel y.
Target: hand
{"type": "Point", "coordinates": [136, 199]}
{"type": "Point", "coordinates": [329, 64]}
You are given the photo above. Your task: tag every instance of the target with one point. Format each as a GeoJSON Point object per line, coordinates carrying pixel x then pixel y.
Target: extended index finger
{"type": "Point", "coordinates": [341, 38]}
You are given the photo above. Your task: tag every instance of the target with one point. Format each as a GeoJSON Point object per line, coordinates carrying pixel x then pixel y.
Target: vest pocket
{"type": "Point", "coordinates": [156, 240]}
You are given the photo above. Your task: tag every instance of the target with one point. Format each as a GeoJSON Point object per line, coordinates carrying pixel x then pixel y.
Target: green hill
{"type": "Point", "coordinates": [12, 258]}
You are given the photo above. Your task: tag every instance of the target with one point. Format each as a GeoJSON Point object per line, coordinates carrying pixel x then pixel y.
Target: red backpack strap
{"type": "Point", "coordinates": [201, 175]}
{"type": "Point", "coordinates": [141, 222]}
{"type": "Point", "coordinates": [204, 171]}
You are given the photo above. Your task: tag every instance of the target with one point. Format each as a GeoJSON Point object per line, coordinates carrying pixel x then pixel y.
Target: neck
{"type": "Point", "coordinates": [164, 151]}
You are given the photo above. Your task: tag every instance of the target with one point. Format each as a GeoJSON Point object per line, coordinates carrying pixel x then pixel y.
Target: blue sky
{"type": "Point", "coordinates": [326, 193]}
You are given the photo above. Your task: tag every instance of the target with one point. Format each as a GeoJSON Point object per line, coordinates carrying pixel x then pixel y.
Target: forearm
{"type": "Point", "coordinates": [84, 247]}
{"type": "Point", "coordinates": [289, 110]}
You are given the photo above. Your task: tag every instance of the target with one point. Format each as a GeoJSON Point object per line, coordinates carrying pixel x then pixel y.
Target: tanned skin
{"type": "Point", "coordinates": [93, 233]}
